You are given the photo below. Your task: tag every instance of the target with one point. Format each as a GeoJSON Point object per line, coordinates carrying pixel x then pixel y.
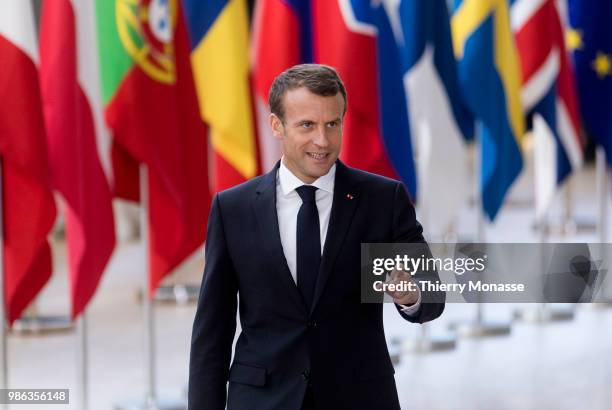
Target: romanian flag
{"type": "Point", "coordinates": [490, 80]}
{"type": "Point", "coordinates": [152, 111]}
{"type": "Point", "coordinates": [218, 30]}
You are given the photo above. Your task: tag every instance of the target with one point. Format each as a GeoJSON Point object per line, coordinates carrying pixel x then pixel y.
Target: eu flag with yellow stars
{"type": "Point", "coordinates": [590, 39]}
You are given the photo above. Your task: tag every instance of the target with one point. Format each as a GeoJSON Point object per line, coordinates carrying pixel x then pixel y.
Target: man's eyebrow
{"type": "Point", "coordinates": [302, 120]}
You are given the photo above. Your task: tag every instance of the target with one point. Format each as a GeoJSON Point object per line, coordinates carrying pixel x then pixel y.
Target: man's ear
{"type": "Point", "coordinates": [276, 125]}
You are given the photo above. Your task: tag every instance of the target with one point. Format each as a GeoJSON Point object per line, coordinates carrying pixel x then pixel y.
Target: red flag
{"type": "Point", "coordinates": [152, 109]}
{"type": "Point", "coordinates": [280, 40]}
{"type": "Point", "coordinates": [68, 68]}
{"type": "Point", "coordinates": [348, 44]}
{"type": "Point", "coordinates": [548, 90]}
{"type": "Point", "coordinates": [27, 202]}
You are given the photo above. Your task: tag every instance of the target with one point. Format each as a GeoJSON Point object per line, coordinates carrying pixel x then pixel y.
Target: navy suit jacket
{"type": "Point", "coordinates": [338, 346]}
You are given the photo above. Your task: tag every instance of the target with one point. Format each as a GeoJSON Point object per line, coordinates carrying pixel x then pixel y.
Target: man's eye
{"type": "Point", "coordinates": [332, 124]}
{"type": "Point", "coordinates": [306, 125]}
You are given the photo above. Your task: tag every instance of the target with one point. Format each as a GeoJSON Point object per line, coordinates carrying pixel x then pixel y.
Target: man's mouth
{"type": "Point", "coordinates": [318, 155]}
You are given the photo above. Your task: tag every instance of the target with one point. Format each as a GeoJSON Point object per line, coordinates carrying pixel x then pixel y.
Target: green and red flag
{"type": "Point", "coordinates": [152, 110]}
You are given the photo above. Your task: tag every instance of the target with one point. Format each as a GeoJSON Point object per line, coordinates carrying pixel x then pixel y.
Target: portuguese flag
{"type": "Point", "coordinates": [152, 111]}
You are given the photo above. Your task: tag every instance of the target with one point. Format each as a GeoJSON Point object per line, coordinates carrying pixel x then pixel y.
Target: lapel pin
{"type": "Point", "coordinates": [349, 196]}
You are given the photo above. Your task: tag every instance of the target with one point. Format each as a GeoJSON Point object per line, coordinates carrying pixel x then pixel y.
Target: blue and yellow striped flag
{"type": "Point", "coordinates": [490, 79]}
{"type": "Point", "coordinates": [218, 31]}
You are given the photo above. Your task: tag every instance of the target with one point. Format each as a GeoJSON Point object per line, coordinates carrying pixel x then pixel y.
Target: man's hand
{"type": "Point", "coordinates": [407, 297]}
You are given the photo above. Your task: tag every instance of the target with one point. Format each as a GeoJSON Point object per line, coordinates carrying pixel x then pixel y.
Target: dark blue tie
{"type": "Point", "coordinates": [308, 243]}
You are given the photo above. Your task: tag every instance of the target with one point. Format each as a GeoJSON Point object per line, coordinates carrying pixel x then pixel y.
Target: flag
{"type": "Point", "coordinates": [490, 80]}
{"type": "Point", "coordinates": [28, 208]}
{"type": "Point", "coordinates": [439, 122]}
{"type": "Point", "coordinates": [548, 92]}
{"type": "Point", "coordinates": [375, 137]}
{"type": "Point", "coordinates": [393, 105]}
{"type": "Point", "coordinates": [70, 92]}
{"type": "Point", "coordinates": [590, 39]}
{"type": "Point", "coordinates": [219, 35]}
{"type": "Point", "coordinates": [376, 128]}
{"type": "Point", "coordinates": [152, 110]}
{"type": "Point", "coordinates": [281, 39]}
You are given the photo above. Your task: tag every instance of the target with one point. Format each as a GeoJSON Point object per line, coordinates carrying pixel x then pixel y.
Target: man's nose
{"type": "Point", "coordinates": [321, 139]}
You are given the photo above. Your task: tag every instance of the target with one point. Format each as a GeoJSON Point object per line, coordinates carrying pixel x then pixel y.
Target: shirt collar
{"type": "Point", "coordinates": [288, 181]}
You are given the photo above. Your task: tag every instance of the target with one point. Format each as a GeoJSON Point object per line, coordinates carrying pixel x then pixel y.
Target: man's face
{"type": "Point", "coordinates": [311, 134]}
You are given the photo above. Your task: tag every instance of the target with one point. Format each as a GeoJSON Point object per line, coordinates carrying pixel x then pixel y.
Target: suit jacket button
{"type": "Point", "coordinates": [306, 374]}
{"type": "Point", "coordinates": [312, 323]}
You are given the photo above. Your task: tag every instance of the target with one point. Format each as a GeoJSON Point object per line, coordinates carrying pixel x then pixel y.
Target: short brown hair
{"type": "Point", "coordinates": [319, 79]}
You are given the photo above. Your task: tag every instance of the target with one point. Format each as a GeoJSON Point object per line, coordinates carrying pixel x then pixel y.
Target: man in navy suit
{"type": "Point", "coordinates": [287, 243]}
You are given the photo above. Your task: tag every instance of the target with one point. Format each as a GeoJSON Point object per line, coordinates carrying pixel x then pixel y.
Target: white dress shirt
{"type": "Point", "coordinates": [288, 204]}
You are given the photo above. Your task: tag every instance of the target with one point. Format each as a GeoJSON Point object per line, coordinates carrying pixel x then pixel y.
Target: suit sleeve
{"type": "Point", "coordinates": [406, 229]}
{"type": "Point", "coordinates": [214, 325]}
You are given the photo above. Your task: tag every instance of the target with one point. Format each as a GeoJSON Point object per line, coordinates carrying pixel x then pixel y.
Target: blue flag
{"type": "Point", "coordinates": [393, 109]}
{"type": "Point", "coordinates": [490, 79]}
{"type": "Point", "coordinates": [590, 38]}
{"type": "Point", "coordinates": [439, 122]}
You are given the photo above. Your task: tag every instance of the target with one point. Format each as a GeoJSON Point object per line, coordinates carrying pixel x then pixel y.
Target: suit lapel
{"type": "Point", "coordinates": [265, 210]}
{"type": "Point", "coordinates": [344, 204]}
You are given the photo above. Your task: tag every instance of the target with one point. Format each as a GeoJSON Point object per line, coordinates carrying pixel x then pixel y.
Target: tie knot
{"type": "Point", "coordinates": [307, 193]}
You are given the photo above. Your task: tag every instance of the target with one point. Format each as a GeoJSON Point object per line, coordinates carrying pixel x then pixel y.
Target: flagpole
{"type": "Point", "coordinates": [177, 293]}
{"type": "Point", "coordinates": [33, 323]}
{"type": "Point", "coordinates": [544, 313]}
{"type": "Point", "coordinates": [602, 194]}
{"type": "Point", "coordinates": [82, 363]}
{"type": "Point", "coordinates": [423, 342]}
{"type": "Point", "coordinates": [479, 327]}
{"type": "Point", "coordinates": [570, 223]}
{"type": "Point", "coordinates": [151, 401]}
{"type": "Point", "coordinates": [149, 342]}
{"type": "Point", "coordinates": [602, 212]}
{"type": "Point", "coordinates": [3, 327]}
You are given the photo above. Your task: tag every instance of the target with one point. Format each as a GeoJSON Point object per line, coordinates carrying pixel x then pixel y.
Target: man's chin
{"type": "Point", "coordinates": [317, 171]}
